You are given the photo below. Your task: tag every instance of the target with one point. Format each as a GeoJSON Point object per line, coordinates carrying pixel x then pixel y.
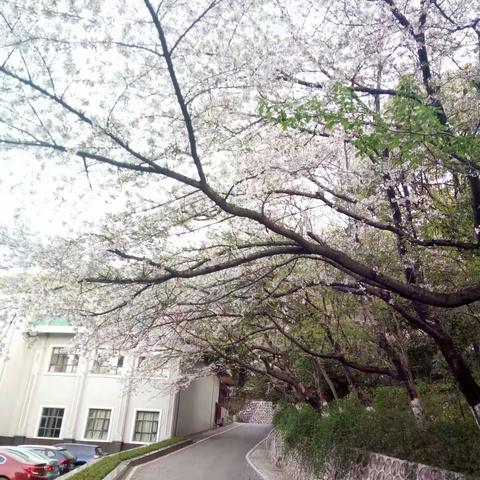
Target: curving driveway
{"type": "Point", "coordinates": [220, 456]}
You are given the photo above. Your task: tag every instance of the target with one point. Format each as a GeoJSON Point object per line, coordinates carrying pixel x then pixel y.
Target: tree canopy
{"type": "Point", "coordinates": [272, 155]}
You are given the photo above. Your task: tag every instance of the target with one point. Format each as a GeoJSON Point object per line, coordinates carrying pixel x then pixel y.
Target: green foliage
{"type": "Point", "coordinates": [449, 441]}
{"type": "Point", "coordinates": [407, 131]}
{"type": "Point", "coordinates": [322, 439]}
{"type": "Point", "coordinates": [257, 388]}
{"type": "Point", "coordinates": [408, 128]}
{"type": "Point", "coordinates": [100, 469]}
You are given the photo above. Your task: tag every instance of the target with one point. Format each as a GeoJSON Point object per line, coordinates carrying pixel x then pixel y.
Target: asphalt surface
{"type": "Point", "coordinates": [219, 457]}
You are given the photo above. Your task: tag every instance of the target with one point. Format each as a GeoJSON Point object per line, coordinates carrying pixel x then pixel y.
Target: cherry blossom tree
{"type": "Point", "coordinates": [249, 136]}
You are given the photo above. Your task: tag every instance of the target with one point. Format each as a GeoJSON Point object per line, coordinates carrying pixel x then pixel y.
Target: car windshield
{"type": "Point", "coordinates": [37, 453]}
{"type": "Point", "coordinates": [66, 453]}
{"type": "Point", "coordinates": [47, 451]}
{"type": "Point", "coordinates": [81, 449]}
{"type": "Point", "coordinates": [19, 456]}
{"type": "Point", "coordinates": [32, 455]}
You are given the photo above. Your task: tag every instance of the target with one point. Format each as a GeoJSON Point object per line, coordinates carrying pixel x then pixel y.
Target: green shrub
{"type": "Point", "coordinates": [328, 437]}
{"type": "Point", "coordinates": [100, 469]}
{"type": "Point", "coordinates": [448, 440]}
{"type": "Point", "coordinates": [456, 445]}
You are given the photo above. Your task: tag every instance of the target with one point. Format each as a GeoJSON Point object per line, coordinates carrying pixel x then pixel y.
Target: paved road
{"type": "Point", "coordinates": [220, 457]}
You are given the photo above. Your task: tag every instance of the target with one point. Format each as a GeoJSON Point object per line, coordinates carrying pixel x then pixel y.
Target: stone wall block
{"type": "Point", "coordinates": [369, 466]}
{"type": "Point", "coordinates": [257, 411]}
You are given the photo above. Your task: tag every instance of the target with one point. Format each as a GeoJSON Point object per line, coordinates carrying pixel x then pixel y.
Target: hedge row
{"type": "Point", "coordinates": [101, 468]}
{"type": "Point", "coordinates": [449, 440]}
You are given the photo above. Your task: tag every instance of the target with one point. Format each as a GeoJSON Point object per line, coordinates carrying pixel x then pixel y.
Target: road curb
{"type": "Point", "coordinates": [254, 473]}
{"type": "Point", "coordinates": [119, 472]}
{"type": "Point", "coordinates": [191, 442]}
{"type": "Point", "coordinates": [259, 466]}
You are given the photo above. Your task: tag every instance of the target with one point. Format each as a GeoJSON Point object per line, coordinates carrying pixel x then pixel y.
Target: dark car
{"type": "Point", "coordinates": [65, 459]}
{"type": "Point", "coordinates": [85, 453]}
{"type": "Point", "coordinates": [19, 467]}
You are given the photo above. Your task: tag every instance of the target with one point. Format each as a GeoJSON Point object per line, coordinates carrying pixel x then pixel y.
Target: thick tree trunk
{"type": "Point", "coordinates": [476, 349]}
{"type": "Point", "coordinates": [474, 183]}
{"type": "Point", "coordinates": [415, 403]}
{"type": "Point", "coordinates": [462, 375]}
{"type": "Point", "coordinates": [318, 385]}
{"type": "Point", "coordinates": [461, 372]}
{"type": "Point", "coordinates": [310, 397]}
{"type": "Point", "coordinates": [459, 369]}
{"type": "Point", "coordinates": [404, 375]}
{"type": "Point", "coordinates": [351, 379]}
{"type": "Point", "coordinates": [328, 380]}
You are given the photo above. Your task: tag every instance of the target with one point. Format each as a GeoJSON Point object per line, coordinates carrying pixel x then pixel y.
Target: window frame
{"type": "Point", "coordinates": [118, 370]}
{"type": "Point", "coordinates": [37, 432]}
{"type": "Point", "coordinates": [165, 372]}
{"type": "Point", "coordinates": [49, 362]}
{"type": "Point", "coordinates": [84, 433]}
{"type": "Point", "coordinates": [134, 424]}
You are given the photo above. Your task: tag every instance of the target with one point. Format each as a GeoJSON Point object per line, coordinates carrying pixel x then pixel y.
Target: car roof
{"type": "Point", "coordinates": [51, 447]}
{"type": "Point", "coordinates": [17, 447]}
{"type": "Point", "coordinates": [19, 455]}
{"type": "Point", "coordinates": [14, 448]}
{"type": "Point", "coordinates": [6, 451]}
{"type": "Point", "coordinates": [77, 445]}
{"type": "Point", "coordinates": [25, 450]}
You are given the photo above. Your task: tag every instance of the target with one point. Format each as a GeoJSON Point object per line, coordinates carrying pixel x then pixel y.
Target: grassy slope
{"type": "Point", "coordinates": [103, 467]}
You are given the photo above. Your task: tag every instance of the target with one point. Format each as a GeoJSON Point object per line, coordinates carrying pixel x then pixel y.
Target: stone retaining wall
{"type": "Point", "coordinates": [251, 472]}
{"type": "Point", "coordinates": [257, 411]}
{"type": "Point", "coordinates": [290, 462]}
{"type": "Point", "coordinates": [372, 467]}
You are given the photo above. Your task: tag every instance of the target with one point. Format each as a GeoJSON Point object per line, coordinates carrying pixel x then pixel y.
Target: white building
{"type": "Point", "coordinates": [49, 394]}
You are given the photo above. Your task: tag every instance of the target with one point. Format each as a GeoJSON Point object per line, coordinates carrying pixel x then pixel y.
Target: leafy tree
{"type": "Point", "coordinates": [366, 183]}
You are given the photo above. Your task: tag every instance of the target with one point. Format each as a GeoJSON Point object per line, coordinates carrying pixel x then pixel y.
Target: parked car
{"type": "Point", "coordinates": [52, 466]}
{"type": "Point", "coordinates": [17, 466]}
{"type": "Point", "coordinates": [65, 459]}
{"type": "Point", "coordinates": [85, 453]}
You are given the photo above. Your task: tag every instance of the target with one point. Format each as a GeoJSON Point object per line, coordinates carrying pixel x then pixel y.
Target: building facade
{"type": "Point", "coordinates": [50, 394]}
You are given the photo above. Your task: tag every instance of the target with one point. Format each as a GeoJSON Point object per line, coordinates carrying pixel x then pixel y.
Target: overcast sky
{"type": "Point", "coordinates": [32, 194]}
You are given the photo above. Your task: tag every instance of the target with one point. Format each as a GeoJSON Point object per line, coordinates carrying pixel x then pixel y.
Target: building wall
{"type": "Point", "coordinates": [26, 386]}
{"type": "Point", "coordinates": [16, 370]}
{"type": "Point", "coordinates": [196, 407]}
{"type": "Point", "coordinates": [147, 398]}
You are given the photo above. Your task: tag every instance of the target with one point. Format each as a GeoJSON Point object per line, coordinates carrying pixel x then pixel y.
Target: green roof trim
{"type": "Point", "coordinates": [51, 322]}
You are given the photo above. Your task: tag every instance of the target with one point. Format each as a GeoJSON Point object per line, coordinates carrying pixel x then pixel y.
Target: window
{"type": "Point", "coordinates": [51, 422]}
{"type": "Point", "coordinates": [146, 427]}
{"type": "Point", "coordinates": [153, 368]}
{"type": "Point", "coordinates": [108, 365]}
{"type": "Point", "coordinates": [98, 423]}
{"type": "Point", "coordinates": [62, 361]}
{"type": "Point", "coordinates": [163, 372]}
{"type": "Point", "coordinates": [2, 460]}
{"type": "Point", "coordinates": [22, 456]}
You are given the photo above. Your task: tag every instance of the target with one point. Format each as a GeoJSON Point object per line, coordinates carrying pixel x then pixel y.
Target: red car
{"type": "Point", "coordinates": [13, 467]}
